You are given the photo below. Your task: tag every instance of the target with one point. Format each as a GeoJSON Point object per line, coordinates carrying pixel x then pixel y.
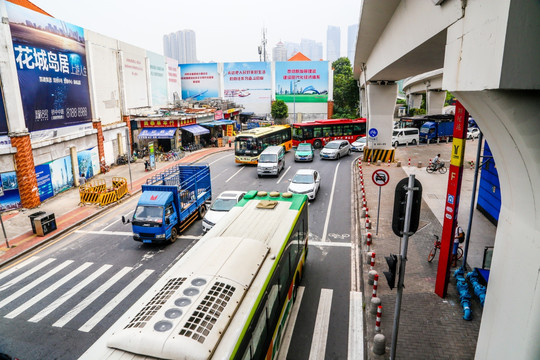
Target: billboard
{"type": "Point", "coordinates": [173, 81]}
{"type": "Point", "coordinates": [135, 85]}
{"type": "Point", "coordinates": [50, 57]}
{"type": "Point", "coordinates": [199, 81]}
{"type": "Point", "coordinates": [249, 84]}
{"type": "Point", "coordinates": [158, 79]}
{"type": "Point", "coordinates": [302, 81]}
{"type": "Point", "coordinates": [11, 198]}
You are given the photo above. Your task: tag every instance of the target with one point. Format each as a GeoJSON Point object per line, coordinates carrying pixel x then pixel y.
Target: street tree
{"type": "Point", "coordinates": [279, 111]}
{"type": "Point", "coordinates": [346, 94]}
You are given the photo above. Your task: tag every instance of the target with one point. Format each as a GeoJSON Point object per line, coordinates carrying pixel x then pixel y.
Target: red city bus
{"type": "Point", "coordinates": [319, 132]}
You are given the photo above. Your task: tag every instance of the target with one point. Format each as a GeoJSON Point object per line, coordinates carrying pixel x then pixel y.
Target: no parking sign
{"type": "Point", "coordinates": [380, 177]}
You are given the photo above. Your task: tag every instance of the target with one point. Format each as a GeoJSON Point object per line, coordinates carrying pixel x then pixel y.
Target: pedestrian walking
{"type": "Point", "coordinates": [459, 237]}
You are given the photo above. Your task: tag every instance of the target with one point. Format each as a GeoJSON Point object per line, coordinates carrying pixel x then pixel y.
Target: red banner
{"type": "Point", "coordinates": [453, 192]}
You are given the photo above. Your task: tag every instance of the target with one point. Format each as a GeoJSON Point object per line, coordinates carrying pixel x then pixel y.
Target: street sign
{"type": "Point", "coordinates": [373, 132]}
{"type": "Point", "coordinates": [380, 177]}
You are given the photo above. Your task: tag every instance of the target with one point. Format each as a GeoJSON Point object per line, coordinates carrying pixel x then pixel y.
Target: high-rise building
{"type": "Point", "coordinates": [279, 52]}
{"type": "Point", "coordinates": [333, 42]}
{"type": "Point", "coordinates": [311, 49]}
{"type": "Point", "coordinates": [352, 32]}
{"type": "Point", "coordinates": [181, 46]}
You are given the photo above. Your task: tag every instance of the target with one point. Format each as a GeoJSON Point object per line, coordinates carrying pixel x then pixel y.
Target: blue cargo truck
{"type": "Point", "coordinates": [170, 202]}
{"type": "Point", "coordinates": [433, 130]}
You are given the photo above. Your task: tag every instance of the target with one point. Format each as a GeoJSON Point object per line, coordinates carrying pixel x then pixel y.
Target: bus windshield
{"type": "Point", "coordinates": [246, 145]}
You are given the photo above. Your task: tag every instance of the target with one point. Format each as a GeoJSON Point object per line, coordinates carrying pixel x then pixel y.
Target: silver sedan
{"type": "Point", "coordinates": [336, 149]}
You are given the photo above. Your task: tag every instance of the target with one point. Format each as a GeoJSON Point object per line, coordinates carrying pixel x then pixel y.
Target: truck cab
{"type": "Point", "coordinates": [155, 217]}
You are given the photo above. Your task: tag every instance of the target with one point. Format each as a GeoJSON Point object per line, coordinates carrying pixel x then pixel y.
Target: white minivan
{"type": "Point", "coordinates": [271, 161]}
{"type": "Point", "coordinates": [405, 136]}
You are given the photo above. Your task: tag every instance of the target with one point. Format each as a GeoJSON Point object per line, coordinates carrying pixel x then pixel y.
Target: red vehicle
{"type": "Point", "coordinates": [320, 132]}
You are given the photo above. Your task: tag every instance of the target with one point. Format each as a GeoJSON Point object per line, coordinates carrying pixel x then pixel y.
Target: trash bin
{"type": "Point", "coordinates": [44, 224]}
{"type": "Point", "coordinates": [32, 217]}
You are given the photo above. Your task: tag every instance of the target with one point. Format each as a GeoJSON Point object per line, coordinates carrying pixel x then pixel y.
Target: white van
{"type": "Point", "coordinates": [405, 136]}
{"type": "Point", "coordinates": [271, 161]}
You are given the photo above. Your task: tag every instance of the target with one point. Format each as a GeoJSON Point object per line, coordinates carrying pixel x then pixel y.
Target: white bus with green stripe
{"type": "Point", "coordinates": [229, 297]}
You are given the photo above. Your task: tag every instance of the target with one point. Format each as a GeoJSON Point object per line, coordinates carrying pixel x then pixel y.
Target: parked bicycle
{"type": "Point", "coordinates": [440, 167]}
{"type": "Point", "coordinates": [437, 245]}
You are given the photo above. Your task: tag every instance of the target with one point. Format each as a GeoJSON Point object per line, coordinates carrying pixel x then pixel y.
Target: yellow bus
{"type": "Point", "coordinates": [251, 143]}
{"type": "Point", "coordinates": [229, 297]}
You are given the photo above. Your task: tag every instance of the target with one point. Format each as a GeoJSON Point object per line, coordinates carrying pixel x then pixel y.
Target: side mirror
{"type": "Point", "coordinates": [124, 221]}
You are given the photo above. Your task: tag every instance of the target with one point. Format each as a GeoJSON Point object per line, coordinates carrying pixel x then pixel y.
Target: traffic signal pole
{"type": "Point", "coordinates": [402, 262]}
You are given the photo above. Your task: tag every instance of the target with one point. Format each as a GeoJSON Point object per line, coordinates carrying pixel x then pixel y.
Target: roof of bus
{"type": "Point", "coordinates": [215, 285]}
{"type": "Point", "coordinates": [330, 121]}
{"type": "Point", "coordinates": [263, 130]}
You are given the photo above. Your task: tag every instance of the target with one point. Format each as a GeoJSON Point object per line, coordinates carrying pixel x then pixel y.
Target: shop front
{"type": "Point", "coordinates": [167, 138]}
{"type": "Point", "coordinates": [194, 136]}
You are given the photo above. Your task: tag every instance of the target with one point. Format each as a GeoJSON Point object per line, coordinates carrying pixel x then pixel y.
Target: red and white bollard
{"type": "Point", "coordinates": [368, 223]}
{"type": "Point", "coordinates": [429, 163]}
{"type": "Point", "coordinates": [372, 264]}
{"type": "Point", "coordinates": [378, 321]}
{"type": "Point", "coordinates": [368, 241]}
{"type": "Point", "coordinates": [375, 283]}
{"type": "Point", "coordinates": [388, 162]}
{"type": "Point", "coordinates": [409, 162]}
{"type": "Point", "coordinates": [369, 160]}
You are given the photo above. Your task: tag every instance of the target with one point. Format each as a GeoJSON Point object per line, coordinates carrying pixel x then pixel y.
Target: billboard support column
{"type": "Point", "coordinates": [74, 165]}
{"type": "Point", "coordinates": [100, 139]}
{"type": "Point", "coordinates": [25, 170]}
{"type": "Point", "coordinates": [127, 120]}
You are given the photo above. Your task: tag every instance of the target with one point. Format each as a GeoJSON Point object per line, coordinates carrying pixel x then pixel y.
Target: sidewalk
{"type": "Point", "coordinates": [69, 213]}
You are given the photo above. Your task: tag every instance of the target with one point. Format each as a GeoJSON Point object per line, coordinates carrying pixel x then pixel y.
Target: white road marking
{"type": "Point", "coordinates": [66, 296]}
{"type": "Point", "coordinates": [286, 342]}
{"type": "Point", "coordinates": [221, 158]}
{"type": "Point", "coordinates": [88, 300]}
{"type": "Point", "coordinates": [285, 172]}
{"type": "Point", "coordinates": [320, 332]}
{"type": "Point", "coordinates": [106, 309]}
{"type": "Point", "coordinates": [242, 168]}
{"type": "Point", "coordinates": [101, 232]}
{"type": "Point", "coordinates": [19, 266]}
{"type": "Point", "coordinates": [328, 243]}
{"type": "Point", "coordinates": [328, 212]}
{"type": "Point", "coordinates": [47, 291]}
{"type": "Point", "coordinates": [356, 327]}
{"type": "Point", "coordinates": [117, 220]}
{"type": "Point", "coordinates": [34, 283]}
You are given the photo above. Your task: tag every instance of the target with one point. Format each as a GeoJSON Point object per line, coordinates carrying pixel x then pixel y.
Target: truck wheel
{"type": "Point", "coordinates": [174, 234]}
{"type": "Point", "coordinates": [202, 211]}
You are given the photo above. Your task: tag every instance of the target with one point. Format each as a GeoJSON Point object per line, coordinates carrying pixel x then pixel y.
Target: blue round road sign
{"type": "Point", "coordinates": [373, 132]}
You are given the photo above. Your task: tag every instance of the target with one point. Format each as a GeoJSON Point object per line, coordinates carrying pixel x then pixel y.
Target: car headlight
{"type": "Point", "coordinates": [160, 236]}
{"type": "Point", "coordinates": [135, 234]}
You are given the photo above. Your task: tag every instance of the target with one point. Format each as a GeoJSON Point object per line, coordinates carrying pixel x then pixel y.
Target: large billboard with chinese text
{"type": "Point", "coordinates": [302, 81]}
{"type": "Point", "coordinates": [199, 81]}
{"type": "Point", "coordinates": [50, 57]}
{"type": "Point", "coordinates": [249, 84]}
{"type": "Point", "coordinates": [158, 79]}
{"type": "Point", "coordinates": [174, 90]}
{"type": "Point", "coordinates": [134, 72]}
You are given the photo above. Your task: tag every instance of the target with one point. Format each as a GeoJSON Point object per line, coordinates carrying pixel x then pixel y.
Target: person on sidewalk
{"type": "Point", "coordinates": [459, 235]}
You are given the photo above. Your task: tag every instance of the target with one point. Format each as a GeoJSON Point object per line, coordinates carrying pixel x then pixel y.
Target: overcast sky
{"type": "Point", "coordinates": [225, 30]}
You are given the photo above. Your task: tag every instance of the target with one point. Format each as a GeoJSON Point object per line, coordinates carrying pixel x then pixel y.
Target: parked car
{"type": "Point", "coordinates": [223, 203]}
{"type": "Point", "coordinates": [473, 133]}
{"type": "Point", "coordinates": [304, 152]}
{"type": "Point", "coordinates": [336, 149]}
{"type": "Point", "coordinates": [359, 144]}
{"type": "Point", "coordinates": [305, 181]}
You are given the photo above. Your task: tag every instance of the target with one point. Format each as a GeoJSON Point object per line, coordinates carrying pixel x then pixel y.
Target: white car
{"type": "Point", "coordinates": [473, 133]}
{"type": "Point", "coordinates": [305, 181]}
{"type": "Point", "coordinates": [221, 206]}
{"type": "Point", "coordinates": [359, 144]}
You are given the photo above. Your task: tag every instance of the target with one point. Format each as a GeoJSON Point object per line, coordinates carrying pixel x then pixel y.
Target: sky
{"type": "Point", "coordinates": [226, 31]}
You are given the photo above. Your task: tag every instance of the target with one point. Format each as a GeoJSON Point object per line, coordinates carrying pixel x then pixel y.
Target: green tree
{"type": "Point", "coordinates": [346, 94]}
{"type": "Point", "coordinates": [279, 111]}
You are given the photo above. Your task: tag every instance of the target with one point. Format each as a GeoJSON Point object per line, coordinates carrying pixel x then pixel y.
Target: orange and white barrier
{"type": "Point", "coordinates": [378, 320]}
{"type": "Point", "coordinates": [375, 284]}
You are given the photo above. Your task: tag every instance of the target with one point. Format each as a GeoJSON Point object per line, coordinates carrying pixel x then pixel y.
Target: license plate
{"type": "Point", "coordinates": [147, 241]}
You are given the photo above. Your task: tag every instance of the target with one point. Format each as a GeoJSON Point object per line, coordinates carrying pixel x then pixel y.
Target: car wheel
{"type": "Point", "coordinates": [259, 175]}
{"type": "Point", "coordinates": [349, 152]}
{"type": "Point", "coordinates": [413, 142]}
{"type": "Point", "coordinates": [338, 156]}
{"type": "Point", "coordinates": [395, 144]}
{"type": "Point", "coordinates": [317, 144]}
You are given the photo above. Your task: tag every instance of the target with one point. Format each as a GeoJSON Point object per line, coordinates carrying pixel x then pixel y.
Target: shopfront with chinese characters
{"type": "Point", "coordinates": [165, 133]}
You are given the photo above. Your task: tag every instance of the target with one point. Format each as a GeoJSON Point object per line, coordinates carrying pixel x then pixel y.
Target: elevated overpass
{"type": "Point", "coordinates": [488, 56]}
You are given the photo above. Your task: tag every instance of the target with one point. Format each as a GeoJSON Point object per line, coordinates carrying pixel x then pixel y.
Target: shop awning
{"type": "Point", "coordinates": [196, 129]}
{"type": "Point", "coordinates": [218, 123]}
{"type": "Point", "coordinates": [157, 133]}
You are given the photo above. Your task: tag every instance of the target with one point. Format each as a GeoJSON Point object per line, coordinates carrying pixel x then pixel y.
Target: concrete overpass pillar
{"type": "Point", "coordinates": [415, 101]}
{"type": "Point", "coordinates": [435, 101]}
{"type": "Point", "coordinates": [363, 103]}
{"type": "Point", "coordinates": [381, 99]}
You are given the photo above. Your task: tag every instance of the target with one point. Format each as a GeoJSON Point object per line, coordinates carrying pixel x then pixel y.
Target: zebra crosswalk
{"type": "Point", "coordinates": [48, 289]}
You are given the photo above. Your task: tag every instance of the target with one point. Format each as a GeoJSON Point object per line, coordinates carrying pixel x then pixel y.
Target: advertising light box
{"type": "Point", "coordinates": [135, 85]}
{"type": "Point", "coordinates": [174, 91]}
{"type": "Point", "coordinates": [50, 57]}
{"type": "Point", "coordinates": [302, 81]}
{"type": "Point", "coordinates": [249, 84]}
{"type": "Point", "coordinates": [158, 79]}
{"type": "Point", "coordinates": [199, 81]}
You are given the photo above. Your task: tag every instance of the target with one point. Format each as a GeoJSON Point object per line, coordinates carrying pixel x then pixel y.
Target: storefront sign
{"type": "Point", "coordinates": [167, 123]}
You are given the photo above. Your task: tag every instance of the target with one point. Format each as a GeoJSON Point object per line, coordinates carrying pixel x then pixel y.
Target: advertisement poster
{"type": "Point", "coordinates": [134, 76]}
{"type": "Point", "coordinates": [302, 81]}
{"type": "Point", "coordinates": [158, 79]}
{"type": "Point", "coordinates": [199, 81]}
{"type": "Point", "coordinates": [50, 57]}
{"type": "Point", "coordinates": [249, 84]}
{"type": "Point", "coordinates": [173, 81]}
{"type": "Point", "coordinates": [61, 174]}
{"type": "Point", "coordinates": [86, 167]}
{"type": "Point", "coordinates": [11, 199]}
{"type": "Point", "coordinates": [43, 175]}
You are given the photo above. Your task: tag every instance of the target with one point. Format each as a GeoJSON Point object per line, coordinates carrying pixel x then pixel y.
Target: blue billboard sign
{"type": "Point", "coordinates": [199, 81]}
{"type": "Point", "coordinates": [50, 57]}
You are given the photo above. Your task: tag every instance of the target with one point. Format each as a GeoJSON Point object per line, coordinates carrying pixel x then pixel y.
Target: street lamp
{"type": "Point", "coordinates": [294, 99]}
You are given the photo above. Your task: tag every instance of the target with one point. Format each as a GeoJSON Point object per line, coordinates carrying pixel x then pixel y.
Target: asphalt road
{"type": "Point", "coordinates": [86, 279]}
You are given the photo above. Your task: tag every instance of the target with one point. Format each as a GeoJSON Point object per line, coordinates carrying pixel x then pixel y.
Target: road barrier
{"type": "Point", "coordinates": [96, 191]}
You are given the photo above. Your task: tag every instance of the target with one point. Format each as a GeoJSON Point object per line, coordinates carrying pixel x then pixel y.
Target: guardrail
{"type": "Point", "coordinates": [97, 192]}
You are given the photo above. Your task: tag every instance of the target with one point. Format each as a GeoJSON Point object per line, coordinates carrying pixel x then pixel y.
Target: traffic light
{"type": "Point", "coordinates": [400, 207]}
{"type": "Point", "coordinates": [392, 266]}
